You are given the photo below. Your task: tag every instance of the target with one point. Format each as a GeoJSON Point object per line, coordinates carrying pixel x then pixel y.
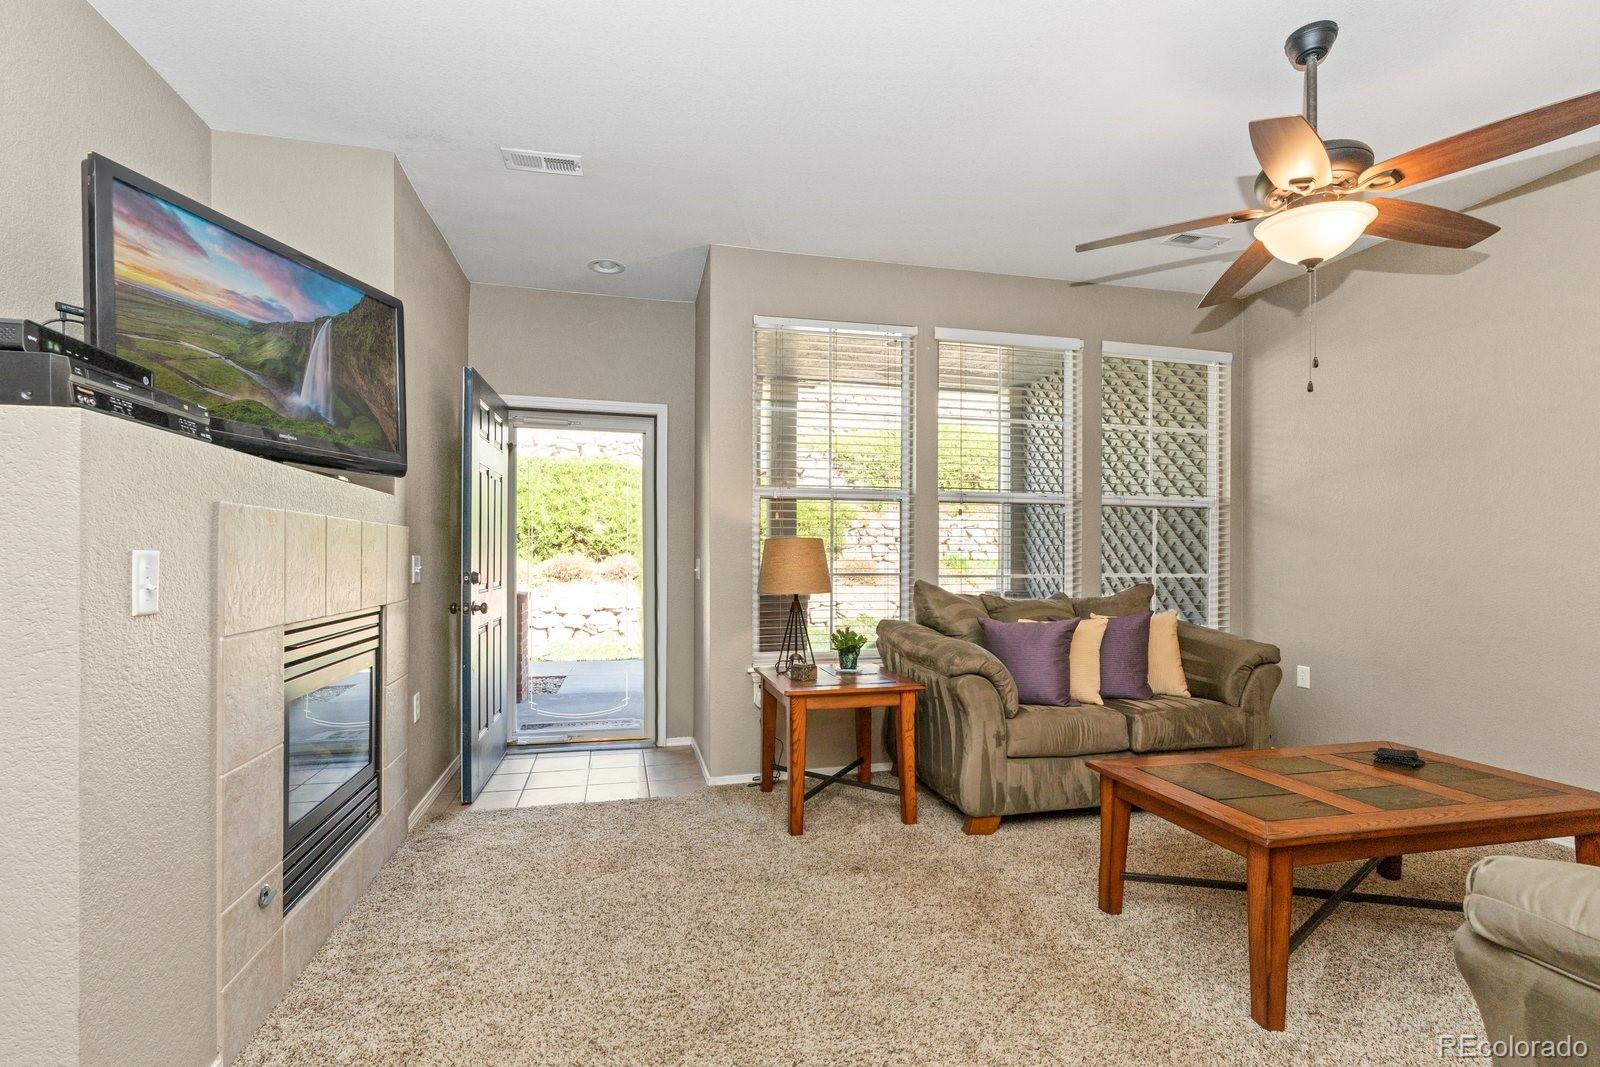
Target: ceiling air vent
{"type": "Point", "coordinates": [541, 162]}
{"type": "Point", "coordinates": [1202, 242]}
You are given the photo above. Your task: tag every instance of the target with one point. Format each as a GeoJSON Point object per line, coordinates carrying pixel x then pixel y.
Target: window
{"type": "Point", "coordinates": [833, 460]}
{"type": "Point", "coordinates": [1008, 463]}
{"type": "Point", "coordinates": [1164, 476]}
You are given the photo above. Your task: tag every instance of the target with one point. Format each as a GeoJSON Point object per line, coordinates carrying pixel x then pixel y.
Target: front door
{"type": "Point", "coordinates": [487, 489]}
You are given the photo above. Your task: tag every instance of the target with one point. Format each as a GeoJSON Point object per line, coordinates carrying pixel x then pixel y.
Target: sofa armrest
{"type": "Point", "coordinates": [1546, 910]}
{"type": "Point", "coordinates": [947, 657]}
{"type": "Point", "coordinates": [1221, 666]}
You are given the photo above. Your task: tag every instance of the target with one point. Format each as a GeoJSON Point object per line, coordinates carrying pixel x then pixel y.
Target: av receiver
{"type": "Point", "coordinates": [25, 335]}
{"type": "Point", "coordinates": [53, 379]}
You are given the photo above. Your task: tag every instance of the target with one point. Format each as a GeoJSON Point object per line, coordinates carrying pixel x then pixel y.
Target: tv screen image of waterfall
{"type": "Point", "coordinates": [251, 335]}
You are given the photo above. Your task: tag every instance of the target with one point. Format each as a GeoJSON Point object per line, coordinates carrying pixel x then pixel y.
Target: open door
{"type": "Point", "coordinates": [487, 490]}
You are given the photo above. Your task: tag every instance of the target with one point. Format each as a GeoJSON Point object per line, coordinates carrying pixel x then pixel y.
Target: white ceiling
{"type": "Point", "coordinates": [947, 133]}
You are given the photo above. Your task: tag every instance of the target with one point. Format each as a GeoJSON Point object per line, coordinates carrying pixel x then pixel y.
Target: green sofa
{"type": "Point", "coordinates": [1530, 952]}
{"type": "Point", "coordinates": [991, 756]}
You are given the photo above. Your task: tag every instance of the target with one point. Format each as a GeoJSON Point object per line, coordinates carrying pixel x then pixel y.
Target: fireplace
{"type": "Point", "coordinates": [332, 711]}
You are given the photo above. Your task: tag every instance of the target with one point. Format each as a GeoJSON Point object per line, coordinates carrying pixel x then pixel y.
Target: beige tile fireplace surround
{"type": "Point", "coordinates": [276, 568]}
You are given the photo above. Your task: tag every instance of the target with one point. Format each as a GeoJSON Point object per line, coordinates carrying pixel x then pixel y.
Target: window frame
{"type": "Point", "coordinates": [1070, 496]}
{"type": "Point", "coordinates": [1217, 434]}
{"type": "Point", "coordinates": [902, 496]}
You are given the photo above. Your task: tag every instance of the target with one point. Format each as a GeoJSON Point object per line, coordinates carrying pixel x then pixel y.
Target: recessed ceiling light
{"type": "Point", "coordinates": [606, 266]}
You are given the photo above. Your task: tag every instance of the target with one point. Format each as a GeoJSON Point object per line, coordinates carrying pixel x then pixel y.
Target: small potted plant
{"type": "Point", "coordinates": [848, 643]}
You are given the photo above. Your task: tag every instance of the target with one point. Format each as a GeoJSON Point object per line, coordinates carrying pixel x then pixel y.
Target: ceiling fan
{"type": "Point", "coordinates": [1310, 188]}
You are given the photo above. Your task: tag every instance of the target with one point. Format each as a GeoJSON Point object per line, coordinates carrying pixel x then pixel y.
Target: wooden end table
{"type": "Point", "coordinates": [861, 692]}
{"type": "Point", "coordinates": [1284, 808]}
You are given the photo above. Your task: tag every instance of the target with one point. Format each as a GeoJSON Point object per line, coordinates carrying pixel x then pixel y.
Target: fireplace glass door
{"type": "Point", "coordinates": [332, 701]}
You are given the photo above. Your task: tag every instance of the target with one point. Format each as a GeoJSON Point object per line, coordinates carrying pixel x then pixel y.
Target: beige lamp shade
{"type": "Point", "coordinates": [793, 565]}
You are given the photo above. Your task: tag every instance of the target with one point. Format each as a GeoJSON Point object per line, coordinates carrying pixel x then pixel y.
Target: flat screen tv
{"type": "Point", "coordinates": [294, 360]}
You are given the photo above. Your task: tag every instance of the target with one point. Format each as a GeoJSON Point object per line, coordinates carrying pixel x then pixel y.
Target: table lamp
{"type": "Point", "coordinates": [793, 567]}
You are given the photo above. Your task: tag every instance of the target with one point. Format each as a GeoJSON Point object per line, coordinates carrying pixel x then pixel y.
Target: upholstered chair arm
{"type": "Point", "coordinates": [1235, 670]}
{"type": "Point", "coordinates": [920, 650]}
{"type": "Point", "coordinates": [1546, 910]}
{"type": "Point", "coordinates": [961, 714]}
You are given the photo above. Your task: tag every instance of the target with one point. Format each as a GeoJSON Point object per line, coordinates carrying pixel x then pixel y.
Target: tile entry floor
{"type": "Point", "coordinates": [528, 779]}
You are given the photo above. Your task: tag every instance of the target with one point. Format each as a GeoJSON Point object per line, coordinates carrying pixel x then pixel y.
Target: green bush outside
{"type": "Point", "coordinates": [585, 506]}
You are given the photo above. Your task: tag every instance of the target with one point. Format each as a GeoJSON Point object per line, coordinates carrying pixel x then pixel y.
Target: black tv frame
{"type": "Point", "coordinates": [99, 174]}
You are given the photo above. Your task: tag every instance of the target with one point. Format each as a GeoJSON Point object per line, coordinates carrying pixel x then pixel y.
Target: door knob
{"type": "Point", "coordinates": [483, 607]}
{"type": "Point", "coordinates": [455, 609]}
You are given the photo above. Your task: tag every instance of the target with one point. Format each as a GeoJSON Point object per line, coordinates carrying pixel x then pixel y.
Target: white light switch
{"type": "Point", "coordinates": [146, 581]}
{"type": "Point", "coordinates": [416, 706]}
{"type": "Point", "coordinates": [416, 570]}
{"type": "Point", "coordinates": [1302, 676]}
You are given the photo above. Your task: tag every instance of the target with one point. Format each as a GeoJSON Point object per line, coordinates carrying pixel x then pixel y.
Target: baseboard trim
{"type": "Point", "coordinates": [422, 806]}
{"type": "Point", "coordinates": [677, 742]}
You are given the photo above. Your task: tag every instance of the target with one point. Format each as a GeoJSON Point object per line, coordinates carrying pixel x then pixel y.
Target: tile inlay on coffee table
{"type": "Point", "coordinates": [1288, 808]}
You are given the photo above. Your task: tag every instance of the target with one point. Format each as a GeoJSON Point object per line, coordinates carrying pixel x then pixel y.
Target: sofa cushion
{"type": "Point", "coordinates": [1170, 724]}
{"type": "Point", "coordinates": [1008, 609]}
{"type": "Point", "coordinates": [1135, 598]}
{"type": "Point", "coordinates": [952, 614]}
{"type": "Point", "coordinates": [1041, 730]}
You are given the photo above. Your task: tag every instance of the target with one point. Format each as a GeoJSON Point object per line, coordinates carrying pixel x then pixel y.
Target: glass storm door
{"type": "Point", "coordinates": [488, 472]}
{"type": "Point", "coordinates": [586, 570]}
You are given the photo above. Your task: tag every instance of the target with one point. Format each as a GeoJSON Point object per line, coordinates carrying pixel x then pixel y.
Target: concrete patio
{"type": "Point", "coordinates": [594, 697]}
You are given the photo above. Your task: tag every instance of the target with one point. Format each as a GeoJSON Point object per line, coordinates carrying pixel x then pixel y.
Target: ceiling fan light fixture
{"type": "Point", "coordinates": [1314, 233]}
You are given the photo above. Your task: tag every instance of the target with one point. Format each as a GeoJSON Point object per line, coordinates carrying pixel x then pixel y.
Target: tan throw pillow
{"type": "Point", "coordinates": [1130, 601]}
{"type": "Point", "coordinates": [1083, 661]}
{"type": "Point", "coordinates": [1166, 660]}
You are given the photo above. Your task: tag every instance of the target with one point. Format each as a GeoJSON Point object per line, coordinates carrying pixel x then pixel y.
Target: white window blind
{"type": "Point", "coordinates": [1164, 477]}
{"type": "Point", "coordinates": [1008, 463]}
{"type": "Point", "coordinates": [833, 460]}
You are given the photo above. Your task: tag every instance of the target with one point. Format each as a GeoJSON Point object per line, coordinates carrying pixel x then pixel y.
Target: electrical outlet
{"type": "Point", "coordinates": [1302, 676]}
{"type": "Point", "coordinates": [416, 707]}
{"type": "Point", "coordinates": [416, 570]}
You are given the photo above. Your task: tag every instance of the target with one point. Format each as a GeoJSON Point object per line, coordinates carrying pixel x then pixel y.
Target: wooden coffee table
{"type": "Point", "coordinates": [1284, 808]}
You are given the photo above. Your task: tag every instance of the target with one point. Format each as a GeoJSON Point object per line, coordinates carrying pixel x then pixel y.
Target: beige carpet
{"type": "Point", "coordinates": [695, 930]}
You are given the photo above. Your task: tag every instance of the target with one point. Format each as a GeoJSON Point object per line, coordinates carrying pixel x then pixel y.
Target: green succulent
{"type": "Point", "coordinates": [846, 639]}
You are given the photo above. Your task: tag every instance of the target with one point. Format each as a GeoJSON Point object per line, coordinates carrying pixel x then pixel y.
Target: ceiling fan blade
{"type": "Point", "coordinates": [1237, 276]}
{"type": "Point", "coordinates": [1424, 224]}
{"type": "Point", "coordinates": [1176, 227]}
{"type": "Point", "coordinates": [1494, 141]}
{"type": "Point", "coordinates": [1291, 153]}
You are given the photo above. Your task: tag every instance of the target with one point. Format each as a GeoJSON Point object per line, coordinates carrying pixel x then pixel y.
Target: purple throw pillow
{"type": "Point", "coordinates": [1125, 658]}
{"type": "Point", "coordinates": [1036, 655]}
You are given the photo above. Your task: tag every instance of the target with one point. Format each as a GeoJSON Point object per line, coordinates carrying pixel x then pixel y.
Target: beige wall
{"type": "Point", "coordinates": [435, 292]}
{"type": "Point", "coordinates": [1422, 528]}
{"type": "Point", "coordinates": [107, 884]}
{"type": "Point", "coordinates": [741, 284]}
{"type": "Point", "coordinates": [93, 93]}
{"type": "Point", "coordinates": [530, 342]}
{"type": "Point", "coordinates": [332, 202]}
{"type": "Point", "coordinates": [72, 86]}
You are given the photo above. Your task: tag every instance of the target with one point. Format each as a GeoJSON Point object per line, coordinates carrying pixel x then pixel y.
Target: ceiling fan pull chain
{"type": "Point", "coordinates": [1311, 329]}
